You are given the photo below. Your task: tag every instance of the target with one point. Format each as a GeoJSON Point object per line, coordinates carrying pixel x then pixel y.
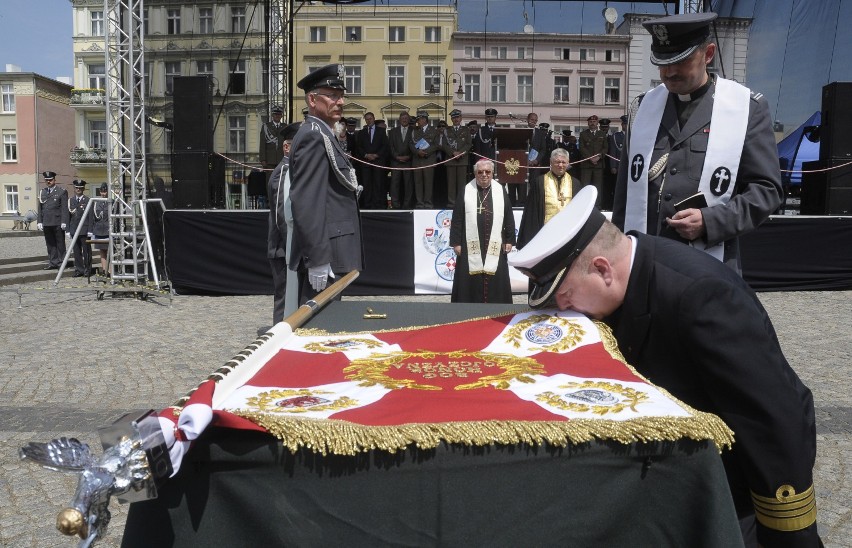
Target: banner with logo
{"type": "Point", "coordinates": [435, 260]}
{"type": "Point", "coordinates": [539, 376]}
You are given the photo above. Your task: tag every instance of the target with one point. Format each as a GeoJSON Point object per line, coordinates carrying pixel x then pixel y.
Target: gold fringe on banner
{"type": "Point", "coordinates": [345, 438]}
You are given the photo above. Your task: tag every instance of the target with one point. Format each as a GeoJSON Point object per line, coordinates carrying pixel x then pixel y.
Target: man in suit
{"type": "Point", "coordinates": [82, 250]}
{"type": "Point", "coordinates": [458, 143]}
{"type": "Point", "coordinates": [371, 143]}
{"type": "Point", "coordinates": [280, 230]}
{"type": "Point", "coordinates": [483, 142]}
{"type": "Point", "coordinates": [674, 151]}
{"type": "Point", "coordinates": [593, 147]}
{"type": "Point", "coordinates": [695, 328]}
{"type": "Point", "coordinates": [326, 238]}
{"type": "Point", "coordinates": [270, 140]}
{"type": "Point", "coordinates": [53, 219]}
{"type": "Point", "coordinates": [402, 182]}
{"type": "Point", "coordinates": [424, 145]}
{"type": "Point", "coordinates": [615, 144]}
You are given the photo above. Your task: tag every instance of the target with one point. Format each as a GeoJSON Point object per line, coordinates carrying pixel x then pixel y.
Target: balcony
{"type": "Point", "coordinates": [88, 156]}
{"type": "Point", "coordinates": [88, 98]}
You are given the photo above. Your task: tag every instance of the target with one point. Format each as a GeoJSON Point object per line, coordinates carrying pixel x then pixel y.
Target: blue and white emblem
{"type": "Point", "coordinates": [543, 333]}
{"type": "Point", "coordinates": [593, 397]}
{"type": "Point", "coordinates": [445, 264]}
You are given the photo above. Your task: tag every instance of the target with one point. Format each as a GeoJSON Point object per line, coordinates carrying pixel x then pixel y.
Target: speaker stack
{"type": "Point", "coordinates": [198, 177]}
{"type": "Point", "coordinates": [828, 191]}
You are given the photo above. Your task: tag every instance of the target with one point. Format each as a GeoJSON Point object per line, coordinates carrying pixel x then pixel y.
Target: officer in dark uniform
{"type": "Point", "coordinates": [82, 249]}
{"type": "Point", "coordinates": [53, 219]}
{"type": "Point", "coordinates": [682, 49]}
{"type": "Point", "coordinates": [270, 140]}
{"type": "Point", "coordinates": [483, 141]}
{"type": "Point", "coordinates": [694, 327]}
{"type": "Point", "coordinates": [326, 238]}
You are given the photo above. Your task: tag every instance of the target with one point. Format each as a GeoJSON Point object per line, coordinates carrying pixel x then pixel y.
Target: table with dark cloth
{"type": "Point", "coordinates": [243, 488]}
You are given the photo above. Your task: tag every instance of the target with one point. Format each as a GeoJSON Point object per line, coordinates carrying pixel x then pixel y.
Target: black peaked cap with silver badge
{"type": "Point", "coordinates": [676, 37]}
{"type": "Point", "coordinates": [328, 76]}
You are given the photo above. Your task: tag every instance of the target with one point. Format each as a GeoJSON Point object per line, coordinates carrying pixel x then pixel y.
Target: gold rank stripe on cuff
{"type": "Point", "coordinates": [787, 511]}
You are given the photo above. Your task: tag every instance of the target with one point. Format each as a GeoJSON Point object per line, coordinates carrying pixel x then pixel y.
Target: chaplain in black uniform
{"type": "Point", "coordinates": [694, 327]}
{"type": "Point", "coordinates": [53, 219]}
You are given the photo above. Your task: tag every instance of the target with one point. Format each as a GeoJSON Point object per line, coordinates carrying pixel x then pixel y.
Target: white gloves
{"type": "Point", "coordinates": [90, 235]}
{"type": "Point", "coordinates": [63, 226]}
{"type": "Point", "coordinates": [40, 226]}
{"type": "Point", "coordinates": [318, 276]}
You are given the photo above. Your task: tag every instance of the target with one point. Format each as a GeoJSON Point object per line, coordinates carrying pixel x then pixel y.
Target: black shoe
{"type": "Point", "coordinates": [51, 267]}
{"type": "Point", "coordinates": [77, 275]}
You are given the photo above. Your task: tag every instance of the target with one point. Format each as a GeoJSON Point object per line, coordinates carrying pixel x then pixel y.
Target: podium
{"type": "Point", "coordinates": [512, 145]}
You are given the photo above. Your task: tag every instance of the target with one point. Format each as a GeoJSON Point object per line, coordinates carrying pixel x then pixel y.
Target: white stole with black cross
{"type": "Point", "coordinates": [495, 238]}
{"type": "Point", "coordinates": [729, 122]}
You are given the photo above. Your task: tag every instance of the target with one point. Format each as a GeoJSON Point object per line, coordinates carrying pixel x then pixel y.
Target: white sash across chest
{"type": "Point", "coordinates": [495, 238]}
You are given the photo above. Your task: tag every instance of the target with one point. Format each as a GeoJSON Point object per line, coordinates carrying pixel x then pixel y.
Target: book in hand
{"type": "Point", "coordinates": [696, 201]}
{"type": "Point", "coordinates": [422, 144]}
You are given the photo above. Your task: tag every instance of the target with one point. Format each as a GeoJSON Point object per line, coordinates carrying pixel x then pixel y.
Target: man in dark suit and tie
{"type": "Point", "coordinates": [323, 190]}
{"type": "Point", "coordinates": [402, 182]}
{"type": "Point", "coordinates": [53, 219]}
{"type": "Point", "coordinates": [371, 142]}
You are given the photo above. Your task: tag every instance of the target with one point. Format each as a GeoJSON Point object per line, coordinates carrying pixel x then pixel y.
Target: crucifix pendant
{"type": "Point", "coordinates": [562, 200]}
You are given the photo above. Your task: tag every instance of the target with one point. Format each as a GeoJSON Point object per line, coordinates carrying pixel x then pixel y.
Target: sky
{"type": "Point", "coordinates": [36, 34]}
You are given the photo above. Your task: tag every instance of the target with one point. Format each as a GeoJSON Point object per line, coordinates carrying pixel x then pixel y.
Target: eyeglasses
{"type": "Point", "coordinates": [335, 97]}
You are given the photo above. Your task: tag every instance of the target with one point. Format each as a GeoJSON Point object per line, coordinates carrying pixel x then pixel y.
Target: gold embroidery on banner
{"type": "Point", "coordinates": [632, 398]}
{"type": "Point", "coordinates": [268, 402]}
{"type": "Point", "coordinates": [512, 166]}
{"type": "Point", "coordinates": [515, 334]}
{"type": "Point", "coordinates": [372, 370]}
{"type": "Point", "coordinates": [328, 346]}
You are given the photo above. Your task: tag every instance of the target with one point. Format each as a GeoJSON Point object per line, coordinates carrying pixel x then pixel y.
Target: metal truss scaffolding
{"type": "Point", "coordinates": [129, 247]}
{"type": "Point", "coordinates": [279, 14]}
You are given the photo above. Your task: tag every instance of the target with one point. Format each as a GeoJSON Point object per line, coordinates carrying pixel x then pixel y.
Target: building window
{"type": "Point", "coordinates": [238, 19]}
{"type": "Point", "coordinates": [8, 93]}
{"type": "Point", "coordinates": [499, 52]}
{"type": "Point", "coordinates": [471, 88]}
{"type": "Point", "coordinates": [525, 53]}
{"type": "Point", "coordinates": [473, 52]}
{"type": "Point", "coordinates": [612, 90]}
{"type": "Point", "coordinates": [587, 54]}
{"type": "Point", "coordinates": [498, 88]}
{"type": "Point", "coordinates": [525, 88]}
{"type": "Point", "coordinates": [236, 133]}
{"type": "Point", "coordinates": [11, 199]}
{"type": "Point", "coordinates": [563, 53]}
{"type": "Point", "coordinates": [97, 134]}
{"type": "Point", "coordinates": [173, 19]}
{"type": "Point", "coordinates": [97, 76]}
{"type": "Point", "coordinates": [317, 34]}
{"type": "Point", "coordinates": [396, 80]}
{"type": "Point", "coordinates": [352, 79]}
{"type": "Point", "coordinates": [237, 79]}
{"type": "Point", "coordinates": [204, 68]}
{"type": "Point", "coordinates": [560, 89]}
{"type": "Point", "coordinates": [587, 89]}
{"type": "Point", "coordinates": [432, 79]}
{"type": "Point", "coordinates": [613, 55]}
{"type": "Point", "coordinates": [353, 34]}
{"type": "Point", "coordinates": [396, 34]}
{"type": "Point", "coordinates": [173, 69]}
{"type": "Point", "coordinates": [10, 147]}
{"type": "Point", "coordinates": [433, 34]}
{"type": "Point", "coordinates": [205, 18]}
{"type": "Point", "coordinates": [97, 18]}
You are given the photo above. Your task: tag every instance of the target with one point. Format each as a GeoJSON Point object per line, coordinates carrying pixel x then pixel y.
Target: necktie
{"type": "Point", "coordinates": [371, 134]}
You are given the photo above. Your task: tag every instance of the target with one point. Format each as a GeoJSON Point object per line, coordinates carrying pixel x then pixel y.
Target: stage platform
{"type": "Point", "coordinates": [224, 252]}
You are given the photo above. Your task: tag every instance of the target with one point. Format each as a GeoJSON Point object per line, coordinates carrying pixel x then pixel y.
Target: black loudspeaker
{"type": "Point", "coordinates": [827, 189]}
{"type": "Point", "coordinates": [198, 180]}
{"type": "Point", "coordinates": [193, 116]}
{"type": "Point", "coordinates": [834, 134]}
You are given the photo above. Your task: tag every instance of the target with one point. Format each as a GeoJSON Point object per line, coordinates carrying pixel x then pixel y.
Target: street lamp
{"type": "Point", "coordinates": [435, 88]}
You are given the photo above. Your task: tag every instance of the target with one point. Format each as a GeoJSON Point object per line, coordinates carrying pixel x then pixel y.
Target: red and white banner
{"type": "Point", "coordinates": [540, 376]}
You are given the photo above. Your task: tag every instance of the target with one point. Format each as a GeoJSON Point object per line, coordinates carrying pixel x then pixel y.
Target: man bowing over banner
{"type": "Point", "coordinates": [482, 233]}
